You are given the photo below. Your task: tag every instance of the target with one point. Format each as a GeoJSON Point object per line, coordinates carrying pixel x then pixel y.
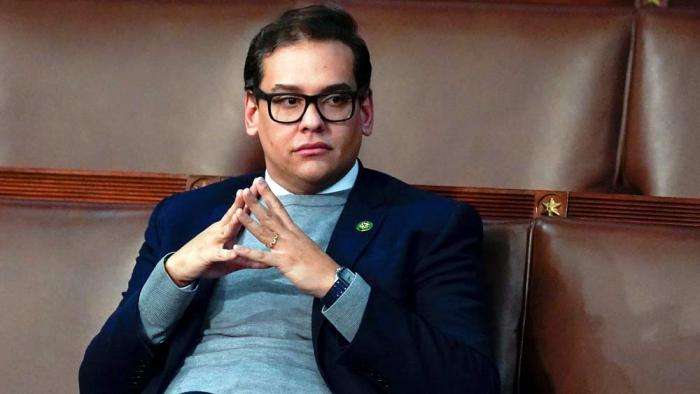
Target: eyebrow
{"type": "Point", "coordinates": [328, 89]}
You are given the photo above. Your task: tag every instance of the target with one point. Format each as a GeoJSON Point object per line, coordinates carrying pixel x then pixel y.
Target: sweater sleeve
{"type": "Point", "coordinates": [346, 312]}
{"type": "Point", "coordinates": [162, 303]}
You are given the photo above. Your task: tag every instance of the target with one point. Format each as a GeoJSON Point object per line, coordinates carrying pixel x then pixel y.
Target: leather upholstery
{"type": "Point", "coordinates": [480, 95]}
{"type": "Point", "coordinates": [157, 86]}
{"type": "Point", "coordinates": [662, 143]}
{"type": "Point", "coordinates": [505, 260]}
{"type": "Point", "coordinates": [496, 96]}
{"type": "Point", "coordinates": [126, 85]}
{"type": "Point", "coordinates": [63, 267]}
{"type": "Point", "coordinates": [54, 313]}
{"type": "Point", "coordinates": [612, 308]}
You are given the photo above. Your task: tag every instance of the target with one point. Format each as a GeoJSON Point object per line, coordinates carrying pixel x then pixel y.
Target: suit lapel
{"type": "Point", "coordinates": [347, 241]}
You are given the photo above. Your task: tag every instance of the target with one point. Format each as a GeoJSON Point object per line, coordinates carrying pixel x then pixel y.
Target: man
{"type": "Point", "coordinates": [322, 276]}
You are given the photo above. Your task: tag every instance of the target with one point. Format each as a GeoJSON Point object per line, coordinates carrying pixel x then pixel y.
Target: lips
{"type": "Point", "coordinates": [312, 149]}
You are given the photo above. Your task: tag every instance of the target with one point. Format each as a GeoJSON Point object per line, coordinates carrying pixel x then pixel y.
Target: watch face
{"type": "Point", "coordinates": [346, 275]}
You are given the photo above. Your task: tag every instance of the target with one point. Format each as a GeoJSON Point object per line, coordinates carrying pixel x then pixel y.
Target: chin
{"type": "Point", "coordinates": [319, 173]}
{"type": "Point", "coordinates": [315, 177]}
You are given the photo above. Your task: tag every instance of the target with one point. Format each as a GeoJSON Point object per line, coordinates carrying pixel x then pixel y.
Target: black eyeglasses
{"type": "Point", "coordinates": [291, 107]}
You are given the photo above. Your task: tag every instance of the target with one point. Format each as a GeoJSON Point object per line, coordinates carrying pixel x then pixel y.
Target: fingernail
{"type": "Point", "coordinates": [238, 192]}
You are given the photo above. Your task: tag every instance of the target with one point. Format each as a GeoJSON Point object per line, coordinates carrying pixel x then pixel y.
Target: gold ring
{"type": "Point", "coordinates": [272, 243]}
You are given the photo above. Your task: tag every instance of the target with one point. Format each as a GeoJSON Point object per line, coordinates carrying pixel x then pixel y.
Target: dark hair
{"type": "Point", "coordinates": [315, 22]}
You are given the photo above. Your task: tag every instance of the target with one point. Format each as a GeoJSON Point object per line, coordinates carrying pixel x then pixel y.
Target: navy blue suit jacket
{"type": "Point", "coordinates": [423, 330]}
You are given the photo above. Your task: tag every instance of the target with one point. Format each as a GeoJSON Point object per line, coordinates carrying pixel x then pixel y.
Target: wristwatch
{"type": "Point", "coordinates": [343, 278]}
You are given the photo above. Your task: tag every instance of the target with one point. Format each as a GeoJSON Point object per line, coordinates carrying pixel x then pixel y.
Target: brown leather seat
{"type": "Point", "coordinates": [662, 143]}
{"type": "Point", "coordinates": [496, 96]}
{"type": "Point", "coordinates": [63, 268]}
{"type": "Point", "coordinates": [505, 260]}
{"type": "Point", "coordinates": [488, 95]}
{"type": "Point", "coordinates": [127, 85]}
{"type": "Point", "coordinates": [612, 308]}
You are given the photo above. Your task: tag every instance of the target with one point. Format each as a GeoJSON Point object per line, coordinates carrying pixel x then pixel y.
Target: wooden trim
{"type": "Point", "coordinates": [578, 3]}
{"type": "Point", "coordinates": [137, 188]}
{"type": "Point", "coordinates": [491, 203]}
{"type": "Point", "coordinates": [108, 187]}
{"type": "Point", "coordinates": [635, 209]}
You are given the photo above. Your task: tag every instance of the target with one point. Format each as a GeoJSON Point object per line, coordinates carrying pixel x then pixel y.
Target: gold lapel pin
{"type": "Point", "coordinates": [364, 225]}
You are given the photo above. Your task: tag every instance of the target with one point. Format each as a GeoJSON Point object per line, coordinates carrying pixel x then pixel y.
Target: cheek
{"type": "Point", "coordinates": [276, 142]}
{"type": "Point", "coordinates": [354, 139]}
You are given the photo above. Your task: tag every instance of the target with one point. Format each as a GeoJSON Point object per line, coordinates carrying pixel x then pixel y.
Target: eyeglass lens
{"type": "Point", "coordinates": [291, 108]}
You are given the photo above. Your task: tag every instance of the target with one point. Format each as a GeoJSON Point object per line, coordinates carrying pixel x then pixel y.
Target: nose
{"type": "Point", "coordinates": [311, 121]}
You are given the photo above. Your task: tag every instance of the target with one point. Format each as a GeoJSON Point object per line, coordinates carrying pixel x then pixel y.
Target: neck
{"type": "Point", "coordinates": [298, 185]}
{"type": "Point", "coordinates": [301, 187]}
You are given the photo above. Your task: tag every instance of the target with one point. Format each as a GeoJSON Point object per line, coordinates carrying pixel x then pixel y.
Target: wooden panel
{"type": "Point", "coordinates": [491, 203]}
{"type": "Point", "coordinates": [148, 188]}
{"type": "Point", "coordinates": [88, 186]}
{"type": "Point", "coordinates": [586, 3]}
{"type": "Point", "coordinates": [628, 3]}
{"type": "Point", "coordinates": [692, 4]}
{"type": "Point", "coordinates": [635, 209]}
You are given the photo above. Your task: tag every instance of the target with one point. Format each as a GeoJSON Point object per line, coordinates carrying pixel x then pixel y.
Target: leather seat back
{"type": "Point", "coordinates": [505, 256]}
{"type": "Point", "coordinates": [488, 95]}
{"type": "Point", "coordinates": [662, 143]}
{"type": "Point", "coordinates": [496, 96]}
{"type": "Point", "coordinates": [612, 308]}
{"type": "Point", "coordinates": [63, 268]}
{"type": "Point", "coordinates": [127, 85]}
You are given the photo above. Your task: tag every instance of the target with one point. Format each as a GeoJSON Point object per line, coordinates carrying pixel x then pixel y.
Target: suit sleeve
{"type": "Point", "coordinates": [439, 342]}
{"type": "Point", "coordinates": [119, 358]}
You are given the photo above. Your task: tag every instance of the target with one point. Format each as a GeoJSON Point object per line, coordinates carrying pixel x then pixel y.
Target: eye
{"type": "Point", "coordinates": [337, 99]}
{"type": "Point", "coordinates": [287, 101]}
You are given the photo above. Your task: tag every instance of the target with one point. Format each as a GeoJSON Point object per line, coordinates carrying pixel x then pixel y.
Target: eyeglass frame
{"type": "Point", "coordinates": [258, 93]}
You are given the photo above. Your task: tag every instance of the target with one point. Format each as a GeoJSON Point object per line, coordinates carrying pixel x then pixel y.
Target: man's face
{"type": "Point", "coordinates": [307, 156]}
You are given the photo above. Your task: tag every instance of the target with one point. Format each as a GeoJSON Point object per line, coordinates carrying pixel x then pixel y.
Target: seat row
{"type": "Point", "coordinates": [599, 99]}
{"type": "Point", "coordinates": [575, 306]}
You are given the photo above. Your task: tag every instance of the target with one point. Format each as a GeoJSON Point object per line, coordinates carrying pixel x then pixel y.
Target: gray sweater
{"type": "Point", "coordinates": [257, 337]}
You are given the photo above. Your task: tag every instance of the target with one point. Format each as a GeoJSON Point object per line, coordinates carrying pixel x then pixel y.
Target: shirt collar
{"type": "Point", "coordinates": [345, 183]}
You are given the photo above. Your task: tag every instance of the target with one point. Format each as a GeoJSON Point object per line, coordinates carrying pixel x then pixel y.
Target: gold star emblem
{"type": "Point", "coordinates": [364, 225]}
{"type": "Point", "coordinates": [552, 207]}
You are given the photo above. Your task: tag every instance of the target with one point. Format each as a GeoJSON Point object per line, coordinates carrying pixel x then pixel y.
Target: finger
{"type": "Point", "coordinates": [272, 202]}
{"type": "Point", "coordinates": [256, 197]}
{"type": "Point", "coordinates": [232, 259]}
{"type": "Point", "coordinates": [237, 203]}
{"type": "Point", "coordinates": [261, 213]}
{"type": "Point", "coordinates": [242, 262]}
{"type": "Point", "coordinates": [229, 231]}
{"type": "Point", "coordinates": [254, 189]}
{"type": "Point", "coordinates": [259, 232]}
{"type": "Point", "coordinates": [220, 254]}
{"type": "Point", "coordinates": [257, 255]}
{"type": "Point", "coordinates": [228, 261]}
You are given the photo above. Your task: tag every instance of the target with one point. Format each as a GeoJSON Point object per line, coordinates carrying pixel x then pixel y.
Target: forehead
{"type": "Point", "coordinates": [309, 65]}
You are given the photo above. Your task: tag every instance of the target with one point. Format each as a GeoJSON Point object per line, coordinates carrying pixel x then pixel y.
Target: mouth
{"type": "Point", "coordinates": [312, 149]}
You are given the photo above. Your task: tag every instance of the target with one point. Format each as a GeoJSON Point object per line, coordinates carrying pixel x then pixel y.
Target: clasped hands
{"type": "Point", "coordinates": [214, 252]}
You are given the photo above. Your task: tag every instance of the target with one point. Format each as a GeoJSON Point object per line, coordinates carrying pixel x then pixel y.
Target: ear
{"type": "Point", "coordinates": [252, 114]}
{"type": "Point", "coordinates": [367, 114]}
